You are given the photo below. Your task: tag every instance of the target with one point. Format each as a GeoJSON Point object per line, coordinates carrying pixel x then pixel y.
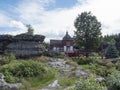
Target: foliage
{"type": "Point", "coordinates": [83, 60]}
{"type": "Point", "coordinates": [23, 69]}
{"type": "Point", "coordinates": [88, 33]}
{"type": "Point", "coordinates": [65, 82]}
{"type": "Point", "coordinates": [117, 64]}
{"type": "Point", "coordinates": [117, 39]}
{"type": "Point", "coordinates": [58, 55]}
{"type": "Point", "coordinates": [41, 59]}
{"type": "Point", "coordinates": [80, 60]}
{"type": "Point", "coordinates": [35, 83]}
{"type": "Point", "coordinates": [95, 68]}
{"type": "Point", "coordinates": [39, 82]}
{"type": "Point", "coordinates": [71, 62]}
{"type": "Point", "coordinates": [109, 64]}
{"type": "Point", "coordinates": [111, 52]}
{"type": "Point", "coordinates": [88, 84]}
{"type": "Point", "coordinates": [26, 85]}
{"type": "Point", "coordinates": [113, 80]}
{"type": "Point", "coordinates": [47, 45]}
{"type": "Point", "coordinates": [30, 30]}
{"type": "Point", "coordinates": [107, 39]}
{"type": "Point", "coordinates": [10, 58]}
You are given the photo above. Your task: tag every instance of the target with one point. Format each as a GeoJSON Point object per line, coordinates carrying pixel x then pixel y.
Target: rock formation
{"type": "Point", "coordinates": [22, 45]}
{"type": "Point", "coordinates": [4, 41]}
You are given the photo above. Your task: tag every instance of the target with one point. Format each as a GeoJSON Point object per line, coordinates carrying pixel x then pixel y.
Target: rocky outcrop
{"type": "Point", "coordinates": [6, 38]}
{"type": "Point", "coordinates": [59, 63]}
{"type": "Point", "coordinates": [6, 86]}
{"type": "Point", "coordinates": [22, 45]}
{"type": "Point", "coordinates": [4, 41]}
{"type": "Point", "coordinates": [100, 79]}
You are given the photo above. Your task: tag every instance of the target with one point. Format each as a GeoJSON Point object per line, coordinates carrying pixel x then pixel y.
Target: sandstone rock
{"type": "Point", "coordinates": [100, 79]}
{"type": "Point", "coordinates": [4, 41]}
{"type": "Point", "coordinates": [39, 38]}
{"type": "Point", "coordinates": [27, 37]}
{"type": "Point", "coordinates": [54, 84]}
{"type": "Point", "coordinates": [22, 45]}
{"type": "Point", "coordinates": [25, 48]}
{"type": "Point", "coordinates": [6, 37]}
{"type": "Point", "coordinates": [81, 73]}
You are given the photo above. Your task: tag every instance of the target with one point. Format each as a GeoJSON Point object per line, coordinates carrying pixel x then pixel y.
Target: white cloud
{"type": "Point", "coordinates": [19, 25]}
{"type": "Point", "coordinates": [4, 20]}
{"type": "Point", "coordinates": [107, 12]}
{"type": "Point", "coordinates": [54, 23]}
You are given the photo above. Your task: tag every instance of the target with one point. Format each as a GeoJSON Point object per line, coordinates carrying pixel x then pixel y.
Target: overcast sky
{"type": "Point", "coordinates": [53, 18]}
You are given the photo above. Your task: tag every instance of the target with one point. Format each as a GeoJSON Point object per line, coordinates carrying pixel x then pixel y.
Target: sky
{"type": "Point", "coordinates": [52, 18]}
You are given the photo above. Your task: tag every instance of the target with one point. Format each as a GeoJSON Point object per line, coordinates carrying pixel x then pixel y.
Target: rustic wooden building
{"type": "Point", "coordinates": [64, 45]}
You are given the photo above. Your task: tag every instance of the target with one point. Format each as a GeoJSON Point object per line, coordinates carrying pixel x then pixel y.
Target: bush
{"type": "Point", "coordinates": [109, 64]}
{"type": "Point", "coordinates": [41, 59]}
{"type": "Point", "coordinates": [23, 69]}
{"type": "Point", "coordinates": [11, 57]}
{"type": "Point", "coordinates": [113, 80]}
{"type": "Point", "coordinates": [88, 84]}
{"type": "Point", "coordinates": [71, 62]}
{"type": "Point", "coordinates": [81, 60]}
{"type": "Point", "coordinates": [118, 65]}
{"type": "Point", "coordinates": [90, 60]}
{"type": "Point", "coordinates": [65, 82]}
{"type": "Point", "coordinates": [97, 69]}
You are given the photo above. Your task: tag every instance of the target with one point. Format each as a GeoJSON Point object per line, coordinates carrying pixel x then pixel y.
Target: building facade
{"type": "Point", "coordinates": [64, 45]}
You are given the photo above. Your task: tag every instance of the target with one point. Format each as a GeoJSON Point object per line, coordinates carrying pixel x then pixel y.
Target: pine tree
{"type": "Point", "coordinates": [111, 51]}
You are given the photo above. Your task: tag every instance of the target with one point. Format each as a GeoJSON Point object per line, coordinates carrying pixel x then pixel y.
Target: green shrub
{"type": "Point", "coordinates": [9, 77]}
{"type": "Point", "coordinates": [88, 84]}
{"type": "Point", "coordinates": [59, 55]}
{"type": "Point", "coordinates": [81, 60]}
{"type": "Point", "coordinates": [41, 59]}
{"type": "Point", "coordinates": [90, 60]}
{"type": "Point", "coordinates": [40, 82]}
{"type": "Point", "coordinates": [11, 57]}
{"type": "Point", "coordinates": [23, 69]}
{"type": "Point", "coordinates": [109, 64]}
{"type": "Point", "coordinates": [97, 69]}
{"type": "Point", "coordinates": [71, 62]}
{"type": "Point", "coordinates": [65, 82]}
{"type": "Point", "coordinates": [118, 65]}
{"type": "Point", "coordinates": [113, 80]}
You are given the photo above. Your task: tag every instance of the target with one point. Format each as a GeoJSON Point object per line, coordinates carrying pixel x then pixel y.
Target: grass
{"type": "Point", "coordinates": [66, 82]}
{"type": "Point", "coordinates": [38, 82]}
{"type": "Point", "coordinates": [30, 83]}
{"type": "Point", "coordinates": [35, 83]}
